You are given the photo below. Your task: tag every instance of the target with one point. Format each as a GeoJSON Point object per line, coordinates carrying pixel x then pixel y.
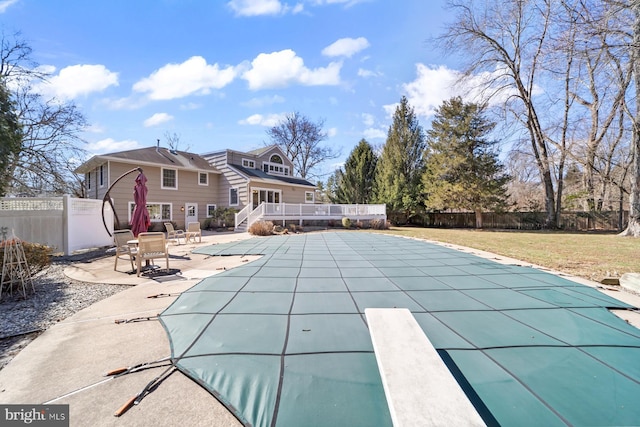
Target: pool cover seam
{"type": "Point", "coordinates": [276, 408]}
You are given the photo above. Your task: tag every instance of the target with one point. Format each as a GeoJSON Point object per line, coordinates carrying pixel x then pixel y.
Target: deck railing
{"type": "Point", "coordinates": [300, 212]}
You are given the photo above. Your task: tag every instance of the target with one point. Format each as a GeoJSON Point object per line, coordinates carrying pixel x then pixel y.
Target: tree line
{"type": "Point", "coordinates": [453, 165]}
{"type": "Point", "coordinates": [564, 77]}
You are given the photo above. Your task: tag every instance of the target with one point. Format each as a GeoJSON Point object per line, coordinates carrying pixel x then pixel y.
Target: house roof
{"type": "Point", "coordinates": [261, 151]}
{"type": "Point", "coordinates": [258, 174]}
{"type": "Point", "coordinates": [152, 156]}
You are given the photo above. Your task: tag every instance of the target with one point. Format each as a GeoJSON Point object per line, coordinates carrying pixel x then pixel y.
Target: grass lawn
{"type": "Point", "coordinates": [590, 255]}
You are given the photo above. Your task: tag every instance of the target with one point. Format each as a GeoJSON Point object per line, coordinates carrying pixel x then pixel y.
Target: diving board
{"type": "Point", "coordinates": [420, 389]}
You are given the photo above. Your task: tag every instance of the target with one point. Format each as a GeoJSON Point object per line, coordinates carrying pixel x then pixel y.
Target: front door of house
{"type": "Point", "coordinates": [190, 213]}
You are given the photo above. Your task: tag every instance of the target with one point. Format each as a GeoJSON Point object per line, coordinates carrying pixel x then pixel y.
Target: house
{"type": "Point", "coordinates": [182, 187]}
{"type": "Point", "coordinates": [185, 187]}
{"type": "Point", "coordinates": [263, 175]}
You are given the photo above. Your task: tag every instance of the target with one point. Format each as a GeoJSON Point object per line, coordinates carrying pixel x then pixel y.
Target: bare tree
{"type": "Point", "coordinates": [174, 140]}
{"type": "Point", "coordinates": [50, 128]}
{"type": "Point", "coordinates": [633, 226]}
{"type": "Point", "coordinates": [301, 140]}
{"type": "Point", "coordinates": [506, 41]}
{"type": "Point", "coordinates": [602, 77]}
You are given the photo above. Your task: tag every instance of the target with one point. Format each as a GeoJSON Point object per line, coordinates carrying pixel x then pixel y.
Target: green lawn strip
{"type": "Point", "coordinates": [589, 255]}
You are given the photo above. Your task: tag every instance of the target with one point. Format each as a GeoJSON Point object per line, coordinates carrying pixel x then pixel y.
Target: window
{"type": "Point", "coordinates": [248, 163]}
{"type": "Point", "coordinates": [88, 180]}
{"type": "Point", "coordinates": [276, 159]}
{"type": "Point", "coordinates": [157, 211]}
{"type": "Point", "coordinates": [233, 197]}
{"type": "Point", "coordinates": [203, 178]}
{"type": "Point", "coordinates": [211, 211]}
{"type": "Point", "coordinates": [309, 196]}
{"type": "Point", "coordinates": [275, 169]}
{"type": "Point", "coordinates": [101, 177]}
{"type": "Point", "coordinates": [169, 179]}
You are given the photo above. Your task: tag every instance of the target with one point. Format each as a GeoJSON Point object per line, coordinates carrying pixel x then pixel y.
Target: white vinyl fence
{"type": "Point", "coordinates": [66, 224]}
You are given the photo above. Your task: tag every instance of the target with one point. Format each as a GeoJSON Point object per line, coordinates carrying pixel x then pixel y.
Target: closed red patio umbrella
{"type": "Point", "coordinates": [140, 219]}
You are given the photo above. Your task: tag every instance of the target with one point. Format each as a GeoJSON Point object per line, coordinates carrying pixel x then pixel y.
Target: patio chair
{"type": "Point", "coordinates": [151, 245]}
{"type": "Point", "coordinates": [173, 234]}
{"type": "Point", "coordinates": [121, 239]}
{"type": "Point", "coordinates": [193, 231]}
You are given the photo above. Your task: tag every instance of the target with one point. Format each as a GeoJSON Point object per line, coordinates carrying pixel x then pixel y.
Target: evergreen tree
{"type": "Point", "coordinates": [400, 167]}
{"type": "Point", "coordinates": [462, 169]}
{"type": "Point", "coordinates": [355, 183]}
{"type": "Point", "coordinates": [10, 138]}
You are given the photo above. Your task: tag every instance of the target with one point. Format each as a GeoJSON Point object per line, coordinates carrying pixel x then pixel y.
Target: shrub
{"type": "Point", "coordinates": [38, 256]}
{"type": "Point", "coordinates": [379, 224]}
{"type": "Point", "coordinates": [346, 222]}
{"type": "Point", "coordinates": [261, 228]}
{"type": "Point", "coordinates": [206, 224]}
{"type": "Point", "coordinates": [295, 228]}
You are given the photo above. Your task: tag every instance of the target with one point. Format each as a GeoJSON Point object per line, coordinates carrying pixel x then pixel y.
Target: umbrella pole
{"type": "Point", "coordinates": [107, 198]}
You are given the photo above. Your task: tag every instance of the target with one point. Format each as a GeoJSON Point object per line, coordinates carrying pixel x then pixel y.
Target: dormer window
{"type": "Point", "coordinates": [248, 163]}
{"type": "Point", "coordinates": [275, 166]}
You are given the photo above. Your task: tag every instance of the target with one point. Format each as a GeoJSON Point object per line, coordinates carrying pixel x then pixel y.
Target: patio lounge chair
{"type": "Point", "coordinates": [151, 245]}
{"type": "Point", "coordinates": [173, 234]}
{"type": "Point", "coordinates": [193, 231]}
{"type": "Point", "coordinates": [121, 239]}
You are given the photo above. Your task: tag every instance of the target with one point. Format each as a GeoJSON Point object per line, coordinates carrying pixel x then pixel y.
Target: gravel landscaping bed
{"type": "Point", "coordinates": [56, 297]}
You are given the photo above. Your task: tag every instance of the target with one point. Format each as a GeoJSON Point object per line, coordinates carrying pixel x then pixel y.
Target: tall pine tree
{"type": "Point", "coordinates": [355, 183]}
{"type": "Point", "coordinates": [400, 167]}
{"type": "Point", "coordinates": [462, 169]}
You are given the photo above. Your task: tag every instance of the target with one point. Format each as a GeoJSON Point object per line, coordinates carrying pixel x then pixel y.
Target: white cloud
{"type": "Point", "coordinates": [110, 145]}
{"type": "Point", "coordinates": [373, 133]}
{"type": "Point", "coordinates": [283, 68]}
{"type": "Point", "coordinates": [368, 119]}
{"type": "Point", "coordinates": [94, 128]}
{"type": "Point", "coordinates": [347, 3]}
{"type": "Point", "coordinates": [157, 118]}
{"type": "Point", "coordinates": [77, 80]}
{"type": "Point", "coordinates": [390, 109]}
{"type": "Point", "coordinates": [264, 101]}
{"type": "Point", "coordinates": [431, 87]}
{"type": "Point", "coordinates": [4, 5]}
{"type": "Point", "coordinates": [256, 7]}
{"type": "Point", "coordinates": [259, 120]}
{"type": "Point", "coordinates": [126, 103]}
{"type": "Point", "coordinates": [346, 47]}
{"type": "Point", "coordinates": [434, 85]}
{"type": "Point", "coordinates": [193, 76]}
{"type": "Point", "coordinates": [190, 106]}
{"type": "Point", "coordinates": [263, 7]}
{"type": "Point", "coordinates": [332, 132]}
{"type": "Point", "coordinates": [277, 7]}
{"type": "Point", "coordinates": [368, 73]}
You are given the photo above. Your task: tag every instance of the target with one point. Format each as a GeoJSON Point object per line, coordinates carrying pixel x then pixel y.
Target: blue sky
{"type": "Point", "coordinates": [219, 73]}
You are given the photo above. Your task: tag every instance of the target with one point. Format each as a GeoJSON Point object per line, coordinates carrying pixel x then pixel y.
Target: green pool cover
{"type": "Point", "coordinates": [283, 341]}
